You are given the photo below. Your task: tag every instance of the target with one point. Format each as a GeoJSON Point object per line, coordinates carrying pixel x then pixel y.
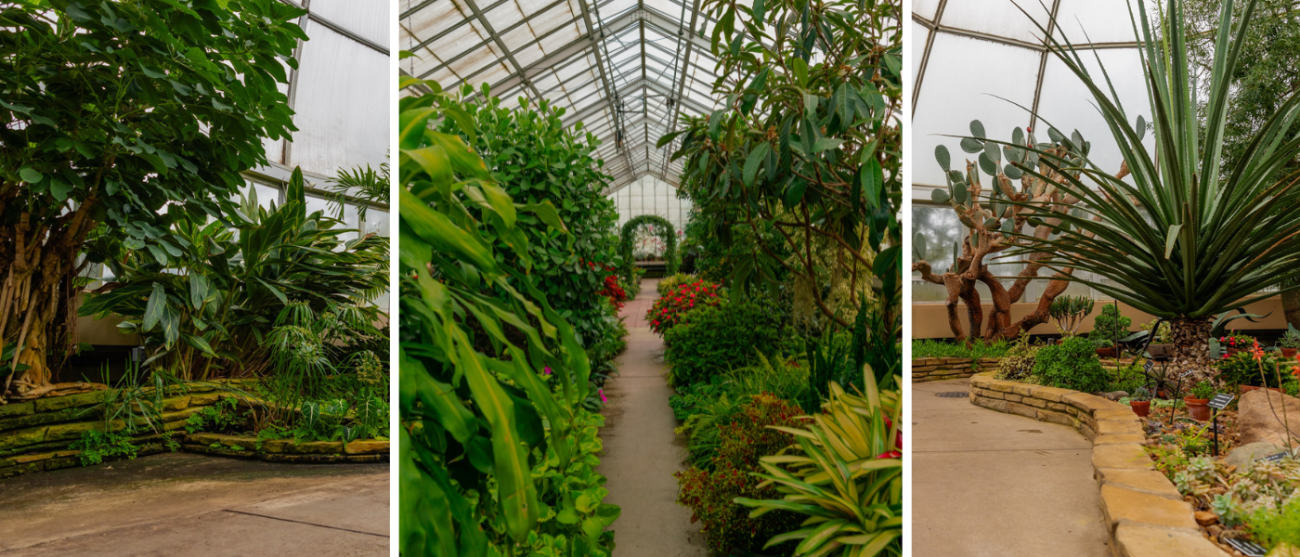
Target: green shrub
{"type": "Point", "coordinates": [96, 445]}
{"type": "Point", "coordinates": [978, 348]}
{"type": "Point", "coordinates": [1018, 363]}
{"type": "Point", "coordinates": [1073, 365]}
{"type": "Point", "coordinates": [711, 493]}
{"type": "Point", "coordinates": [1109, 325]}
{"type": "Point", "coordinates": [1242, 369]}
{"type": "Point", "coordinates": [668, 283]}
{"type": "Point", "coordinates": [721, 338]}
{"type": "Point", "coordinates": [1128, 379]}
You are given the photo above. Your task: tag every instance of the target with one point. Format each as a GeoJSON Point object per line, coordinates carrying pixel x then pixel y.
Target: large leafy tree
{"type": "Point", "coordinates": [806, 148]}
{"type": "Point", "coordinates": [1185, 237]}
{"type": "Point", "coordinates": [126, 115]}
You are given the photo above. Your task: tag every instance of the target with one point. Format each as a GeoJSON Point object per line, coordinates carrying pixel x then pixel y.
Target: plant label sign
{"type": "Point", "coordinates": [1247, 548]}
{"type": "Point", "coordinates": [1221, 401]}
{"type": "Point", "coordinates": [1276, 457]}
{"type": "Point", "coordinates": [1150, 365]}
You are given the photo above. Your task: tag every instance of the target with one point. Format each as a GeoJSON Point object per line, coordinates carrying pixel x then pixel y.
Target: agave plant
{"type": "Point", "coordinates": [1178, 235]}
{"type": "Point", "coordinates": [847, 477]}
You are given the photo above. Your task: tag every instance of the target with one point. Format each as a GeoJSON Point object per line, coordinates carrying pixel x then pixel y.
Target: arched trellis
{"type": "Point", "coordinates": [666, 232]}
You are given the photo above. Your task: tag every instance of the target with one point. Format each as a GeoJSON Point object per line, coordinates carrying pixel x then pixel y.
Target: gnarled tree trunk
{"type": "Point", "coordinates": [1191, 340]}
{"type": "Point", "coordinates": [37, 266]}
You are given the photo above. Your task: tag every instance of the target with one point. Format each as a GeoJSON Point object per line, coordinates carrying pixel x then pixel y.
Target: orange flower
{"type": "Point", "coordinates": [1257, 352]}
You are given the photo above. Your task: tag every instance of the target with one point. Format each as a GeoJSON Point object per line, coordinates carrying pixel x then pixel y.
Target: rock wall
{"type": "Point", "coordinates": [37, 435]}
{"type": "Point", "coordinates": [1145, 514]}
{"type": "Point", "coordinates": [939, 369]}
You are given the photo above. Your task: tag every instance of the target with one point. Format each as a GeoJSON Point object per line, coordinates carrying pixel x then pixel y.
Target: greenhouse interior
{"type": "Point", "coordinates": [637, 236]}
{"type": "Point", "coordinates": [1102, 241]}
{"type": "Point", "coordinates": [194, 227]}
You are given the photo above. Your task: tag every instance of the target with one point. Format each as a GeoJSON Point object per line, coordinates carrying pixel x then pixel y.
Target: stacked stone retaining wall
{"type": "Point", "coordinates": [37, 435]}
{"type": "Point", "coordinates": [1144, 513]}
{"type": "Point", "coordinates": [940, 369]}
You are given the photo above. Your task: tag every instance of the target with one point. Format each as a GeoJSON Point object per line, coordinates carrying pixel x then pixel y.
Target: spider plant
{"type": "Point", "coordinates": [1177, 234]}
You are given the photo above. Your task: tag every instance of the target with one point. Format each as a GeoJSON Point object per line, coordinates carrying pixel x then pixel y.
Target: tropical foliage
{"type": "Point", "coordinates": [661, 228]}
{"type": "Point", "coordinates": [491, 383]}
{"type": "Point", "coordinates": [805, 151]}
{"type": "Point", "coordinates": [119, 120]}
{"type": "Point", "coordinates": [210, 311]}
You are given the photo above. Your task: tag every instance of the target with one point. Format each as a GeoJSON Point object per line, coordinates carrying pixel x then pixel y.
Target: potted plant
{"type": "Point", "coordinates": [1289, 344]}
{"type": "Point", "coordinates": [1198, 403]}
{"type": "Point", "coordinates": [1109, 327]}
{"type": "Point", "coordinates": [1140, 402]}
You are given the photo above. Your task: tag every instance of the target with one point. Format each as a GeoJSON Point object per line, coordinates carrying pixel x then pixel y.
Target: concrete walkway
{"type": "Point", "coordinates": [641, 450]}
{"type": "Point", "coordinates": [990, 484]}
{"type": "Point", "coordinates": [186, 504]}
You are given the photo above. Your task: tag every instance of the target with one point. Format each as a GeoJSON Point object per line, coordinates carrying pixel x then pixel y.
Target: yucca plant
{"type": "Point", "coordinates": [1177, 235]}
{"type": "Point", "coordinates": [1069, 311]}
{"type": "Point", "coordinates": [847, 477]}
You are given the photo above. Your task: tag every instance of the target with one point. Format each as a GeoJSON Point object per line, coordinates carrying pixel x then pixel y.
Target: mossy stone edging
{"type": "Point", "coordinates": [942, 369]}
{"type": "Point", "coordinates": [37, 435]}
{"type": "Point", "coordinates": [288, 450]}
{"type": "Point", "coordinates": [1145, 514]}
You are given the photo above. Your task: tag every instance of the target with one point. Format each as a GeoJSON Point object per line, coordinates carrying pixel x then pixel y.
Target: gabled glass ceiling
{"type": "Point", "coordinates": [624, 68]}
{"type": "Point", "coordinates": [973, 56]}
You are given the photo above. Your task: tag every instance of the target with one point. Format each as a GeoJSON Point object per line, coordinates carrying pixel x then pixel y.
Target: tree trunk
{"type": "Point", "coordinates": [1291, 307]}
{"type": "Point", "coordinates": [1191, 342]}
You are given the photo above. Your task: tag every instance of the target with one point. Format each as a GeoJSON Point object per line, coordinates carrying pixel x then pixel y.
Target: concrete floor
{"type": "Point", "coordinates": [186, 504]}
{"type": "Point", "coordinates": [641, 449]}
{"type": "Point", "coordinates": [990, 484]}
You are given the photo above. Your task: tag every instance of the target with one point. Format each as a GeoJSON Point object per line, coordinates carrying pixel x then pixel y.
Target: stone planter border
{"type": "Point", "coordinates": [37, 435]}
{"type": "Point", "coordinates": [941, 369]}
{"type": "Point", "coordinates": [1145, 515]}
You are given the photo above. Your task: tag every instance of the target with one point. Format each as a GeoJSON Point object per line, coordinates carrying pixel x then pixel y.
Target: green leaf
{"type": "Point", "coordinates": [977, 129]}
{"type": "Point", "coordinates": [873, 182]}
{"type": "Point", "coordinates": [971, 145]}
{"type": "Point", "coordinates": [547, 213]}
{"type": "Point", "coordinates": [60, 189]}
{"type": "Point", "coordinates": [755, 160]}
{"type": "Point", "coordinates": [758, 12]}
{"type": "Point", "coordinates": [826, 143]}
{"type": "Point", "coordinates": [1171, 238]}
{"type": "Point", "coordinates": [30, 175]}
{"type": "Point", "coordinates": [940, 195]}
{"type": "Point", "coordinates": [154, 308]}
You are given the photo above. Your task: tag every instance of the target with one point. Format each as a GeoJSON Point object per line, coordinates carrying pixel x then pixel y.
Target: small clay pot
{"type": "Point", "coordinates": [1289, 352]}
{"type": "Point", "coordinates": [1141, 407]}
{"type": "Point", "coordinates": [1248, 388]}
{"type": "Point", "coordinates": [1107, 352]}
{"type": "Point", "coordinates": [1199, 408]}
{"type": "Point", "coordinates": [1233, 351]}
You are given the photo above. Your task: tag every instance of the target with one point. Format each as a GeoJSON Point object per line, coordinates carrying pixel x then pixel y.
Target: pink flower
{"type": "Point", "coordinates": [546, 370]}
{"type": "Point", "coordinates": [602, 395]}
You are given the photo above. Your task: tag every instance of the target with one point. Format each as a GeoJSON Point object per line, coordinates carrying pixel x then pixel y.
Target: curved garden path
{"type": "Point", "coordinates": [641, 449]}
{"type": "Point", "coordinates": [990, 484]}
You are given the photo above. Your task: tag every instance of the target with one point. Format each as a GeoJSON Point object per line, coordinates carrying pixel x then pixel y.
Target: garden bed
{"type": "Point", "coordinates": [39, 435]}
{"type": "Point", "coordinates": [1144, 513]}
{"type": "Point", "coordinates": [942, 369]}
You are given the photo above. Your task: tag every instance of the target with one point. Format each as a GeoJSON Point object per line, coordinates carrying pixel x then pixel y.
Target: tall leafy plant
{"type": "Point", "coordinates": [1184, 238]}
{"type": "Point", "coordinates": [125, 117]}
{"type": "Point", "coordinates": [806, 146]}
{"type": "Point", "coordinates": [534, 158]}
{"type": "Point", "coordinates": [471, 416]}
{"type": "Point", "coordinates": [207, 313]}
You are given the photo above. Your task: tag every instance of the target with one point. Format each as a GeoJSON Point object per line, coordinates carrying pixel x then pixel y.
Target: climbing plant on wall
{"type": "Point", "coordinates": [663, 229]}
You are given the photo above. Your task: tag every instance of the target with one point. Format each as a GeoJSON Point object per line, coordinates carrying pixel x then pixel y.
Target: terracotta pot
{"type": "Point", "coordinates": [1199, 408]}
{"type": "Point", "coordinates": [1107, 352]}
{"type": "Point", "coordinates": [1141, 407]}
{"type": "Point", "coordinates": [1234, 351]}
{"type": "Point", "coordinates": [1248, 388]}
{"type": "Point", "coordinates": [1289, 352]}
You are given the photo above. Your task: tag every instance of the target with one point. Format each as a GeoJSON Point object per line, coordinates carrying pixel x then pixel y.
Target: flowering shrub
{"type": "Point", "coordinates": [711, 494]}
{"type": "Point", "coordinates": [671, 309]}
{"type": "Point", "coordinates": [1236, 341]}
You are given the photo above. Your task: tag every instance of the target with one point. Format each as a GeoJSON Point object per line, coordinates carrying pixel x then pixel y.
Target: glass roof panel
{"type": "Point", "coordinates": [578, 54]}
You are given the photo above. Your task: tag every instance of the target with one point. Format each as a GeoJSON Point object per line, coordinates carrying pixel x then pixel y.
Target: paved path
{"type": "Point", "coordinates": [641, 450]}
{"type": "Point", "coordinates": [990, 484]}
{"type": "Point", "coordinates": [186, 504]}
